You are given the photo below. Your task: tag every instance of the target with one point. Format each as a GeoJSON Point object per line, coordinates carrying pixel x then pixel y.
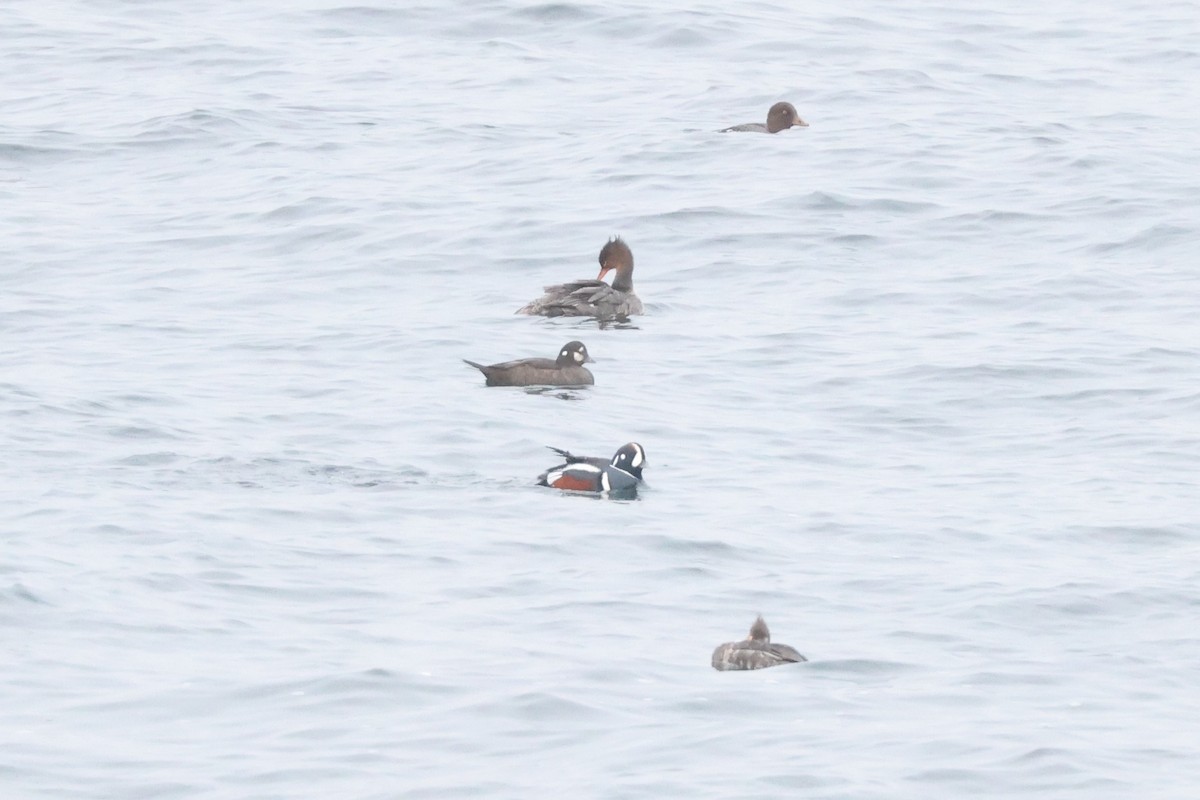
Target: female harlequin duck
{"type": "Point", "coordinates": [593, 298]}
{"type": "Point", "coordinates": [781, 117]}
{"type": "Point", "coordinates": [622, 472]}
{"type": "Point", "coordinates": [567, 370]}
{"type": "Point", "coordinates": [755, 651]}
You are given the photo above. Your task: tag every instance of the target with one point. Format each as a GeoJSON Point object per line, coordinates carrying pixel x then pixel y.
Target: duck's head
{"type": "Point", "coordinates": [573, 354]}
{"type": "Point", "coordinates": [759, 631]}
{"type": "Point", "coordinates": [783, 116]}
{"type": "Point", "coordinates": [617, 255]}
{"type": "Point", "coordinates": [630, 458]}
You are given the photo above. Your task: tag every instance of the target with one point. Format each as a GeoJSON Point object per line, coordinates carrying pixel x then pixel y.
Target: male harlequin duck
{"type": "Point", "coordinates": [622, 472]}
{"type": "Point", "coordinates": [567, 370]}
{"type": "Point", "coordinates": [754, 652]}
{"type": "Point", "coordinates": [781, 117]}
{"type": "Point", "coordinates": [593, 298]}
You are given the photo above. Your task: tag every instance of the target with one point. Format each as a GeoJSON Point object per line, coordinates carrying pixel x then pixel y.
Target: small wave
{"type": "Point", "coordinates": [19, 593]}
{"type": "Point", "coordinates": [1156, 237]}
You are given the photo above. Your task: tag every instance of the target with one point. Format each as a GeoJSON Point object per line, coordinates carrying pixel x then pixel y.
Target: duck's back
{"type": "Point", "coordinates": [753, 655]}
{"type": "Point", "coordinates": [571, 458]}
{"type": "Point", "coordinates": [753, 127]}
{"type": "Point", "coordinates": [584, 298]}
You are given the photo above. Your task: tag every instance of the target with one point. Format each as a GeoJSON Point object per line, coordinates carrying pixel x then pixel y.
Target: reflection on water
{"type": "Point", "coordinates": [573, 393]}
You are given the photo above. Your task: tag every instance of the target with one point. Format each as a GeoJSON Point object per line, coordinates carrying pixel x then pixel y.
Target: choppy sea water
{"type": "Point", "coordinates": [920, 383]}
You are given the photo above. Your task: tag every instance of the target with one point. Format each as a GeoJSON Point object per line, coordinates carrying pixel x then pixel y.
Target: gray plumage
{"type": "Point", "coordinates": [593, 298]}
{"type": "Point", "coordinates": [571, 458]}
{"type": "Point", "coordinates": [566, 370]}
{"type": "Point", "coordinates": [780, 117]}
{"type": "Point", "coordinates": [755, 651]}
{"type": "Point", "coordinates": [747, 127]}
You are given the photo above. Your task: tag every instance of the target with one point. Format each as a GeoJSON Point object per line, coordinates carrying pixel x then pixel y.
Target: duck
{"type": "Point", "coordinates": [593, 297]}
{"type": "Point", "coordinates": [566, 370]}
{"type": "Point", "coordinates": [780, 116]}
{"type": "Point", "coordinates": [622, 472]}
{"type": "Point", "coordinates": [755, 651]}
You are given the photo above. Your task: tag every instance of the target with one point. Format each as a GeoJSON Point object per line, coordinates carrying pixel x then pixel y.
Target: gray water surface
{"type": "Point", "coordinates": [919, 383]}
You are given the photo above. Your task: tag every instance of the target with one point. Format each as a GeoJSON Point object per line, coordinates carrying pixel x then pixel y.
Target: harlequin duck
{"type": "Point", "coordinates": [566, 370]}
{"type": "Point", "coordinates": [781, 117]}
{"type": "Point", "coordinates": [593, 298]}
{"type": "Point", "coordinates": [754, 652]}
{"type": "Point", "coordinates": [622, 472]}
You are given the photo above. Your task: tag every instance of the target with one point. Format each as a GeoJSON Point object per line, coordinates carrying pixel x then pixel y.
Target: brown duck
{"type": "Point", "coordinates": [566, 370]}
{"type": "Point", "coordinates": [755, 651]}
{"type": "Point", "coordinates": [780, 117]}
{"type": "Point", "coordinates": [593, 298]}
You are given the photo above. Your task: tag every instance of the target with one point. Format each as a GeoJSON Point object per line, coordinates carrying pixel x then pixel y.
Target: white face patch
{"type": "Point", "coordinates": [579, 357]}
{"type": "Point", "coordinates": [564, 352]}
{"type": "Point", "coordinates": [638, 457]}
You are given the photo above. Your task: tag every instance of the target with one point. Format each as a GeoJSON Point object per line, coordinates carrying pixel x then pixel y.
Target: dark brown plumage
{"type": "Point", "coordinates": [566, 370]}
